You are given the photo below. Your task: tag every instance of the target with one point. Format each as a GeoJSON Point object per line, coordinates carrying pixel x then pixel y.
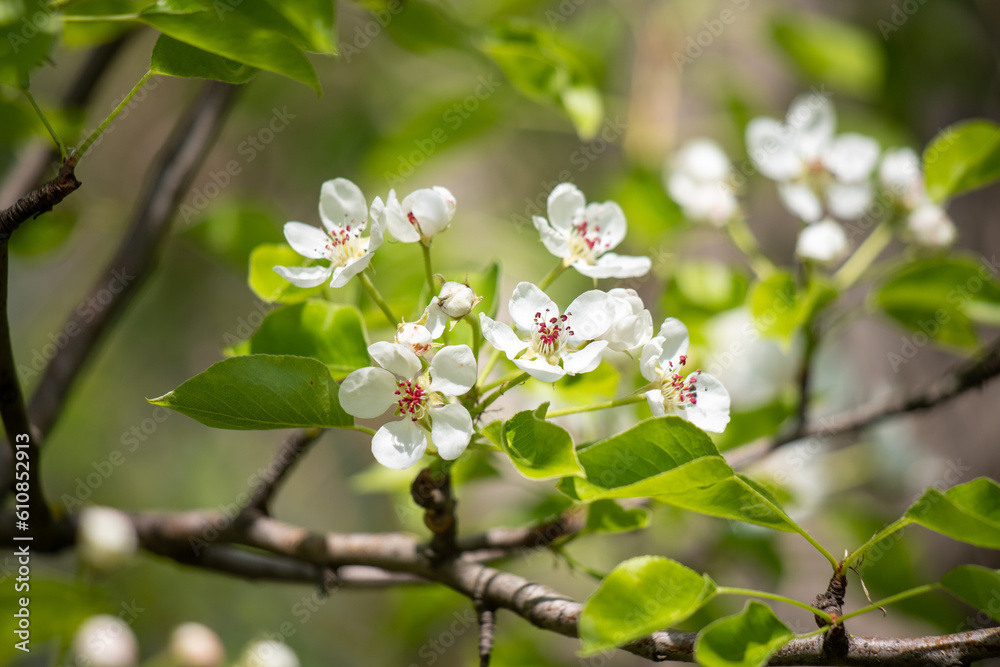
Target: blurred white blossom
{"type": "Point", "coordinates": [697, 177]}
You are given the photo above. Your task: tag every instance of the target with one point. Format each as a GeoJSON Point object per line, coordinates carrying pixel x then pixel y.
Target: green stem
{"type": "Point", "coordinates": [355, 427]}
{"type": "Point", "coordinates": [574, 564]}
{"type": "Point", "coordinates": [366, 282]}
{"type": "Point", "coordinates": [497, 383]}
{"type": "Point", "coordinates": [510, 384]}
{"type": "Point", "coordinates": [45, 122]}
{"type": "Point", "coordinates": [477, 335]}
{"type": "Point", "coordinates": [867, 252]}
{"type": "Point", "coordinates": [892, 599]}
{"type": "Point", "coordinates": [898, 524]}
{"type": "Point", "coordinates": [82, 150]}
{"type": "Point", "coordinates": [83, 18]}
{"type": "Point", "coordinates": [801, 531]}
{"type": "Point", "coordinates": [628, 400]}
{"type": "Point", "coordinates": [553, 274]}
{"type": "Point", "coordinates": [744, 239]}
{"type": "Point", "coordinates": [814, 633]}
{"type": "Point", "coordinates": [490, 363]}
{"type": "Point", "coordinates": [428, 271]}
{"type": "Point", "coordinates": [727, 590]}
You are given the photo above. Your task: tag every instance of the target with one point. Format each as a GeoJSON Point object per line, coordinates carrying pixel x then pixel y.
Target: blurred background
{"type": "Point", "coordinates": [444, 94]}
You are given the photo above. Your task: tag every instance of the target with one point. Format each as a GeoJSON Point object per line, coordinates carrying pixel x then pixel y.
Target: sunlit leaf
{"type": "Point", "coordinates": [173, 58]}
{"type": "Point", "coordinates": [962, 157]}
{"type": "Point", "coordinates": [747, 639]}
{"type": "Point", "coordinates": [975, 585]}
{"type": "Point", "coordinates": [267, 284]}
{"type": "Point", "coordinates": [537, 448]}
{"type": "Point", "coordinates": [968, 512]}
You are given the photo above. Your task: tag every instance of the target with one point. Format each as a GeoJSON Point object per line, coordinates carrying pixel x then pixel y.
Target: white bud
{"type": "Point", "coordinates": [415, 336]}
{"type": "Point", "coordinates": [105, 641]}
{"type": "Point", "coordinates": [824, 242]}
{"type": "Point", "coordinates": [106, 538]}
{"type": "Point", "coordinates": [457, 300]}
{"type": "Point", "coordinates": [449, 200]}
{"type": "Point", "coordinates": [931, 226]}
{"type": "Point", "coordinates": [269, 654]}
{"type": "Point", "coordinates": [195, 645]}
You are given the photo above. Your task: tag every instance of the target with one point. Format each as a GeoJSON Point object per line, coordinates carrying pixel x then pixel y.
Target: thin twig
{"type": "Point", "coordinates": [290, 452]}
{"type": "Point", "coordinates": [39, 201]}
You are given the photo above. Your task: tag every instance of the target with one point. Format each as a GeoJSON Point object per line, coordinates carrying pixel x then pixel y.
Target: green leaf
{"type": "Point", "coordinates": [940, 297]}
{"type": "Point", "coordinates": [747, 639]}
{"type": "Point", "coordinates": [975, 585]}
{"type": "Point", "coordinates": [537, 448]}
{"type": "Point", "coordinates": [962, 157]}
{"type": "Point", "coordinates": [779, 308]}
{"type": "Point", "coordinates": [738, 498]}
{"type": "Point", "coordinates": [832, 52]}
{"type": "Point", "coordinates": [29, 30]}
{"type": "Point", "coordinates": [173, 58]}
{"type": "Point", "coordinates": [607, 516]}
{"type": "Point", "coordinates": [334, 334]}
{"type": "Point", "coordinates": [233, 36]}
{"type": "Point", "coordinates": [46, 233]}
{"type": "Point", "coordinates": [640, 596]}
{"type": "Point", "coordinates": [313, 19]}
{"type": "Point", "coordinates": [267, 284]}
{"type": "Point", "coordinates": [260, 392]}
{"type": "Point", "coordinates": [968, 512]}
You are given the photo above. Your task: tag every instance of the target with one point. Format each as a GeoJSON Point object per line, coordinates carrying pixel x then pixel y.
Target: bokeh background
{"type": "Point", "coordinates": [413, 102]}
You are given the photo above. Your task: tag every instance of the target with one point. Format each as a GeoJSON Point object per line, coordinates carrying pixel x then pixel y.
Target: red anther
{"type": "Point", "coordinates": [412, 218]}
{"type": "Point", "coordinates": [538, 314]}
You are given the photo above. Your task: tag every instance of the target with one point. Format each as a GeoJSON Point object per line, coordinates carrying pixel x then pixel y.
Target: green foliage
{"type": "Point", "coordinates": [941, 297]}
{"type": "Point", "coordinates": [975, 585]}
{"type": "Point", "coordinates": [30, 29]}
{"type": "Point", "coordinates": [968, 512]}
{"type": "Point", "coordinates": [747, 639]}
{"type": "Point", "coordinates": [267, 284]}
{"type": "Point", "coordinates": [962, 157]}
{"type": "Point", "coordinates": [173, 58]}
{"type": "Point", "coordinates": [640, 596]}
{"type": "Point", "coordinates": [47, 233]}
{"type": "Point", "coordinates": [780, 307]}
{"type": "Point", "coordinates": [232, 230]}
{"type": "Point", "coordinates": [701, 289]}
{"type": "Point", "coordinates": [331, 333]}
{"type": "Point", "coordinates": [260, 391]}
{"type": "Point", "coordinates": [607, 516]}
{"type": "Point", "coordinates": [538, 449]}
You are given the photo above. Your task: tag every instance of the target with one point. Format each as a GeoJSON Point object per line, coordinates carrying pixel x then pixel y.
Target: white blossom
{"type": "Point", "coordinates": [583, 235]}
{"type": "Point", "coordinates": [420, 398]}
{"type": "Point", "coordinates": [699, 398]}
{"type": "Point", "coordinates": [824, 242]}
{"type": "Point", "coordinates": [422, 215]}
{"type": "Point", "coordinates": [195, 645]}
{"type": "Point", "coordinates": [105, 641]}
{"type": "Point", "coordinates": [342, 210]}
{"type": "Point", "coordinates": [698, 179]}
{"type": "Point", "coordinates": [453, 302]}
{"type": "Point", "coordinates": [414, 336]}
{"type": "Point", "coordinates": [810, 164]}
{"type": "Point", "coordinates": [269, 653]}
{"type": "Point", "coordinates": [106, 538]}
{"type": "Point", "coordinates": [632, 324]}
{"type": "Point", "coordinates": [554, 344]}
{"type": "Point", "coordinates": [929, 225]}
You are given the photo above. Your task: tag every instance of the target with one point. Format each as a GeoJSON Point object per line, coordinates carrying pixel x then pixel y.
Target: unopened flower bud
{"type": "Point", "coordinates": [269, 654]}
{"type": "Point", "coordinates": [106, 641]}
{"type": "Point", "coordinates": [195, 645]}
{"type": "Point", "coordinates": [931, 226]}
{"type": "Point", "coordinates": [457, 300]}
{"type": "Point", "coordinates": [448, 198]}
{"type": "Point", "coordinates": [415, 336]}
{"type": "Point", "coordinates": [106, 538]}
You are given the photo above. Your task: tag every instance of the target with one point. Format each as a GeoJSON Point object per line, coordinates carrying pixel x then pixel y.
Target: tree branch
{"type": "Point", "coordinates": [39, 201]}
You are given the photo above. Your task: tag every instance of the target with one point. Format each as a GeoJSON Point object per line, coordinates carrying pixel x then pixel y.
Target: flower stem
{"type": "Point", "coordinates": [45, 122]}
{"type": "Point", "coordinates": [428, 271]}
{"type": "Point", "coordinates": [892, 599]}
{"type": "Point", "coordinates": [366, 282]}
{"type": "Point", "coordinates": [490, 363]}
{"type": "Point", "coordinates": [82, 150]}
{"type": "Point", "coordinates": [553, 274]}
{"type": "Point", "coordinates": [744, 239]}
{"type": "Point", "coordinates": [477, 335]}
{"type": "Point", "coordinates": [727, 590]}
{"type": "Point", "coordinates": [628, 400]}
{"type": "Point", "coordinates": [497, 383]}
{"type": "Point", "coordinates": [355, 427]}
{"type": "Point", "coordinates": [867, 252]}
{"type": "Point", "coordinates": [510, 384]}
{"type": "Point", "coordinates": [858, 553]}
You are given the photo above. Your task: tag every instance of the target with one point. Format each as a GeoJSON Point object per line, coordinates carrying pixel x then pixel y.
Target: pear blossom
{"type": "Point", "coordinates": [342, 211]}
{"type": "Point", "coordinates": [929, 225]}
{"type": "Point", "coordinates": [453, 302]}
{"type": "Point", "coordinates": [106, 538]}
{"type": "Point", "coordinates": [414, 336]}
{"type": "Point", "coordinates": [584, 234]}
{"type": "Point", "coordinates": [824, 242]}
{"type": "Point", "coordinates": [926, 223]}
{"type": "Point", "coordinates": [420, 397]}
{"type": "Point", "coordinates": [697, 178]}
{"type": "Point", "coordinates": [699, 398]}
{"type": "Point", "coordinates": [269, 653]}
{"type": "Point", "coordinates": [552, 338]}
{"type": "Point", "coordinates": [423, 214]}
{"type": "Point", "coordinates": [195, 645]}
{"type": "Point", "coordinates": [810, 164]}
{"type": "Point", "coordinates": [105, 641]}
{"type": "Point", "coordinates": [632, 325]}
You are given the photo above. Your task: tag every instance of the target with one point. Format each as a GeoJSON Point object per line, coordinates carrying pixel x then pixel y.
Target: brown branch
{"type": "Point", "coordinates": [432, 491]}
{"type": "Point", "coordinates": [288, 455]}
{"type": "Point", "coordinates": [39, 201]}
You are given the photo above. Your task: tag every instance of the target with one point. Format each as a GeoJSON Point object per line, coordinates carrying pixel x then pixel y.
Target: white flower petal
{"type": "Point", "coordinates": [851, 157]}
{"type": "Point", "coordinates": [453, 370]}
{"type": "Point", "coordinates": [381, 215]}
{"type": "Point", "coordinates": [565, 201]}
{"type": "Point", "coordinates": [555, 242]}
{"type": "Point", "coordinates": [451, 429]}
{"type": "Point", "coordinates": [711, 412]}
{"type": "Point", "coordinates": [367, 392]}
{"type": "Point", "coordinates": [540, 369]}
{"type": "Point", "coordinates": [675, 342]}
{"type": "Point", "coordinates": [800, 199]}
{"type": "Point", "coordinates": [341, 203]}
{"type": "Point", "coordinates": [526, 301]}
{"type": "Point", "coordinates": [654, 399]}
{"type": "Point", "coordinates": [900, 171]}
{"type": "Point", "coordinates": [343, 274]}
{"type": "Point", "coordinates": [930, 226]}
{"type": "Point", "coordinates": [824, 241]}
{"type": "Point", "coordinates": [812, 120]}
{"type": "Point", "coordinates": [849, 200]}
{"type": "Point", "coordinates": [450, 203]}
{"type": "Point", "coordinates": [609, 219]}
{"type": "Point", "coordinates": [703, 159]}
{"type": "Point", "coordinates": [436, 319]}
{"type": "Point", "coordinates": [630, 332]}
{"type": "Point", "coordinates": [430, 210]}
{"type": "Point", "coordinates": [650, 357]}
{"type": "Point", "coordinates": [397, 223]}
{"type": "Point", "coordinates": [501, 336]}
{"type": "Point", "coordinates": [585, 360]}
{"type": "Point", "coordinates": [304, 276]}
{"type": "Point", "coordinates": [399, 444]}
{"type": "Point", "coordinates": [307, 240]}
{"type": "Point", "coordinates": [613, 265]}
{"type": "Point", "coordinates": [590, 315]}
{"type": "Point", "coordinates": [771, 151]}
{"type": "Point", "coordinates": [395, 358]}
